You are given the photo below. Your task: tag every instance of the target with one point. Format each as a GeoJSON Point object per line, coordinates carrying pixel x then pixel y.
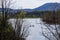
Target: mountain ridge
{"type": "Point", "coordinates": [47, 7]}
{"type": "Point", "coordinates": [44, 7]}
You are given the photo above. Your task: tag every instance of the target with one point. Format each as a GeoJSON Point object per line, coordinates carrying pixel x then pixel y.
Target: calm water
{"type": "Point", "coordinates": [36, 26]}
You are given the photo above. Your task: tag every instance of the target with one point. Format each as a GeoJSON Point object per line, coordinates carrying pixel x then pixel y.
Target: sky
{"type": "Point", "coordinates": [25, 4]}
{"type": "Point", "coordinates": [30, 4]}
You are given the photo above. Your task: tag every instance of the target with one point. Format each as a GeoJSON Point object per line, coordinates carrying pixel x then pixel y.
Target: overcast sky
{"type": "Point", "coordinates": [31, 3]}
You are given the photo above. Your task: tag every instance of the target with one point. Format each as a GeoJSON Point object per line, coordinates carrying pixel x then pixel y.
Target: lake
{"type": "Point", "coordinates": [36, 28]}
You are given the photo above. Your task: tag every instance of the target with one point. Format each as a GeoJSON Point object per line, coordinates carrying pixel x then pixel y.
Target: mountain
{"type": "Point", "coordinates": [49, 6]}
{"type": "Point", "coordinates": [44, 7]}
{"type": "Point", "coordinates": [28, 10]}
{"type": "Point", "coordinates": [10, 10]}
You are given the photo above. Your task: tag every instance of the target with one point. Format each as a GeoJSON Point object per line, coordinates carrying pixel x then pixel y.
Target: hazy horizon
{"type": "Point", "coordinates": [30, 4]}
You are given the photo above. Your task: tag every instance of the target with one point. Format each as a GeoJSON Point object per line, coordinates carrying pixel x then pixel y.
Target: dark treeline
{"type": "Point", "coordinates": [52, 17]}
{"type": "Point", "coordinates": [34, 14]}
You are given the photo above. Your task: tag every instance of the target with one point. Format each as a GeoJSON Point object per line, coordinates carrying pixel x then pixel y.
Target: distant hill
{"type": "Point", "coordinates": [49, 6]}
{"type": "Point", "coordinates": [28, 10]}
{"type": "Point", "coordinates": [10, 10]}
{"type": "Point", "coordinates": [44, 7]}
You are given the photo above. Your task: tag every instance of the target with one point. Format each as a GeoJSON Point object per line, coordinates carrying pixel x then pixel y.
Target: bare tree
{"type": "Point", "coordinates": [52, 30]}
{"type": "Point", "coordinates": [20, 31]}
{"type": "Point", "coordinates": [21, 28]}
{"type": "Point", "coordinates": [5, 5]}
